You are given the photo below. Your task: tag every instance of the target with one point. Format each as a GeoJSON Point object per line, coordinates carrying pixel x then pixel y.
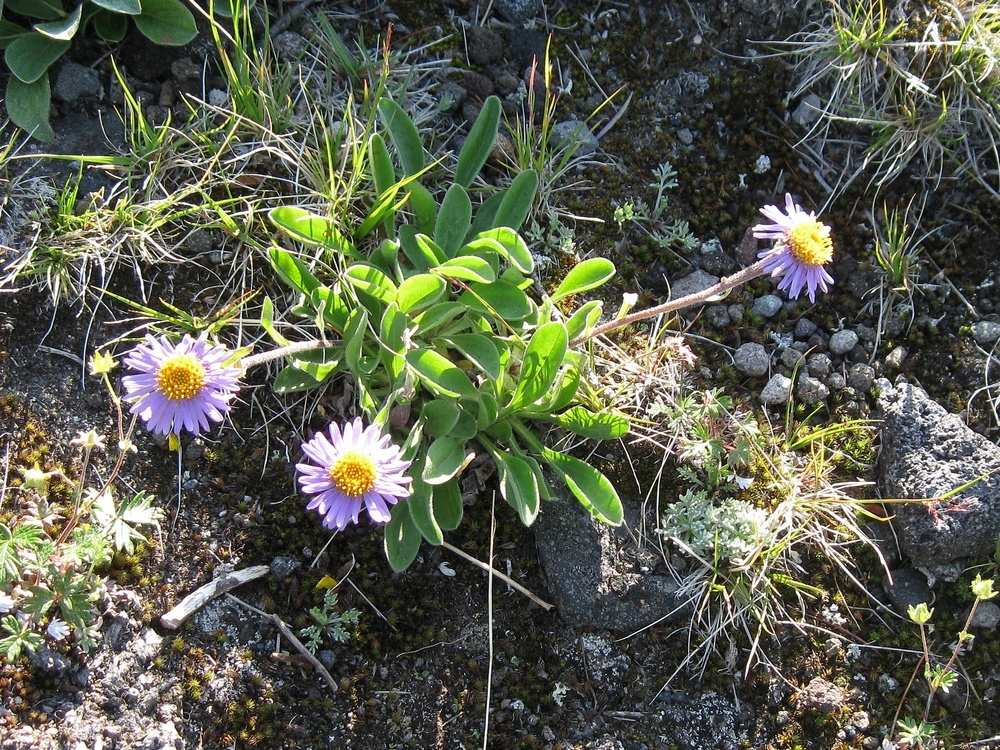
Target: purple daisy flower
{"type": "Point", "coordinates": [359, 467]}
{"type": "Point", "coordinates": [802, 246]}
{"type": "Point", "coordinates": [180, 387]}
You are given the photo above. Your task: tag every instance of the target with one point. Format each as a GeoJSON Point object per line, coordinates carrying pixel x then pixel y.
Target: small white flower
{"type": "Point", "coordinates": [763, 164]}
{"type": "Point", "coordinates": [743, 482]}
{"type": "Point", "coordinates": [88, 440]}
{"type": "Point", "coordinates": [6, 603]}
{"type": "Point", "coordinates": [57, 629]}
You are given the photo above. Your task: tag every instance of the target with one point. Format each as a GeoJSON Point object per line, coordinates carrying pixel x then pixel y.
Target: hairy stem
{"type": "Point", "coordinates": [725, 285]}
{"type": "Point", "coordinates": [285, 351]}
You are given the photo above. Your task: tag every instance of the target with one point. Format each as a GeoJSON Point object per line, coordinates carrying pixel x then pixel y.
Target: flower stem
{"type": "Point", "coordinates": [723, 286]}
{"type": "Point", "coordinates": [296, 348]}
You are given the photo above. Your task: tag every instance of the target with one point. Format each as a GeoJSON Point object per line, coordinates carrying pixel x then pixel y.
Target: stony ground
{"type": "Point", "coordinates": [415, 671]}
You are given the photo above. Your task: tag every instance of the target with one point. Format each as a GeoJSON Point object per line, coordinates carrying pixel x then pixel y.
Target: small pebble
{"type": "Point", "coordinates": [843, 341]}
{"type": "Point", "coordinates": [791, 357]}
{"type": "Point", "coordinates": [810, 390]}
{"type": "Point", "coordinates": [860, 377]}
{"type": "Point", "coordinates": [986, 332]}
{"type": "Point", "coordinates": [986, 616]}
{"type": "Point", "coordinates": [895, 358]}
{"type": "Point", "coordinates": [735, 313]}
{"type": "Point", "coordinates": [836, 382]}
{"type": "Point", "coordinates": [717, 316]}
{"type": "Point", "coordinates": [819, 365]}
{"type": "Point", "coordinates": [767, 306]}
{"type": "Point", "coordinates": [685, 136]}
{"type": "Point", "coordinates": [752, 359]}
{"type": "Point", "coordinates": [777, 390]}
{"type": "Point", "coordinates": [804, 328]}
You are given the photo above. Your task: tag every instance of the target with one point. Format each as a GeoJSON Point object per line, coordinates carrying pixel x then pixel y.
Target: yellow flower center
{"type": "Point", "coordinates": [810, 242]}
{"type": "Point", "coordinates": [353, 474]}
{"type": "Point", "coordinates": [180, 377]}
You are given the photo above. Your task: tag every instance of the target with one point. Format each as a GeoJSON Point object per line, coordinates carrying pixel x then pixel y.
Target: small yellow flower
{"type": "Point", "coordinates": [982, 588]}
{"type": "Point", "coordinates": [101, 363]}
{"type": "Point", "coordinates": [920, 614]}
{"type": "Point", "coordinates": [35, 479]}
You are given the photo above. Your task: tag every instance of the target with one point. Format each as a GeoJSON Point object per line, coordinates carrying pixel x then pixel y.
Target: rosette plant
{"type": "Point", "coordinates": [448, 343]}
{"type": "Point", "coordinates": [34, 34]}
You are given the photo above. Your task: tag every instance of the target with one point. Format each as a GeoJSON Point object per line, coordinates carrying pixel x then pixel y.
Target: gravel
{"type": "Point", "coordinates": [735, 313]}
{"type": "Point", "coordinates": [717, 316]}
{"type": "Point", "coordinates": [777, 390]}
{"type": "Point", "coordinates": [574, 131]}
{"type": "Point", "coordinates": [986, 332]}
{"type": "Point", "coordinates": [986, 616]}
{"type": "Point", "coordinates": [791, 357]}
{"type": "Point", "coordinates": [810, 390]}
{"type": "Point", "coordinates": [75, 81]}
{"type": "Point", "coordinates": [685, 136]}
{"type": "Point", "coordinates": [752, 359]}
{"type": "Point", "coordinates": [836, 382]}
{"type": "Point", "coordinates": [805, 328]}
{"type": "Point", "coordinates": [894, 359]}
{"type": "Point", "coordinates": [819, 365]}
{"type": "Point", "coordinates": [767, 306]}
{"type": "Point", "coordinates": [843, 341]}
{"type": "Point", "coordinates": [860, 377]}
{"type": "Point", "coordinates": [693, 282]}
{"type": "Point", "coordinates": [822, 697]}
{"type": "Point", "coordinates": [485, 45]}
{"type": "Point", "coordinates": [807, 111]}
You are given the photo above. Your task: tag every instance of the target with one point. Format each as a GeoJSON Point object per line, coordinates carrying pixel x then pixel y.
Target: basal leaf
{"type": "Point", "coordinates": [404, 135]}
{"type": "Point", "coordinates": [541, 363]}
{"type": "Point", "coordinates": [585, 276]}
{"type": "Point", "coordinates": [166, 22]}
{"type": "Point", "coordinates": [453, 220]}
{"type": "Point", "coordinates": [479, 143]}
{"type": "Point", "coordinates": [517, 200]}
{"type": "Point", "coordinates": [402, 538]}
{"type": "Point", "coordinates": [589, 486]}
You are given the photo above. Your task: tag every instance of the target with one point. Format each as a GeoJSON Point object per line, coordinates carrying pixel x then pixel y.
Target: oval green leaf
{"type": "Point", "coordinates": [500, 299]}
{"type": "Point", "coordinates": [603, 425]}
{"type": "Point", "coordinates": [440, 375]}
{"type": "Point", "coordinates": [518, 486]}
{"type": "Point", "coordinates": [28, 57]}
{"type": "Point", "coordinates": [453, 220]}
{"type": "Point", "coordinates": [589, 486]}
{"type": "Point", "coordinates": [447, 505]}
{"type": "Point", "coordinates": [446, 458]}
{"type": "Point", "coordinates": [402, 538]}
{"type": "Point", "coordinates": [404, 135]}
{"type": "Point", "coordinates": [419, 292]}
{"type": "Point", "coordinates": [479, 350]}
{"type": "Point", "coordinates": [479, 143]}
{"type": "Point", "coordinates": [467, 268]}
{"type": "Point", "coordinates": [585, 276]}
{"type": "Point", "coordinates": [540, 365]}
{"type": "Point", "coordinates": [166, 22]}
{"type": "Point", "coordinates": [370, 281]}
{"type": "Point", "coordinates": [517, 200]}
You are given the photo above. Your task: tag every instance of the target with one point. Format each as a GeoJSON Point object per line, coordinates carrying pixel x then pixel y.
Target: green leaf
{"type": "Point", "coordinates": [540, 365]}
{"type": "Point", "coordinates": [510, 245]}
{"type": "Point", "coordinates": [63, 29]}
{"type": "Point", "coordinates": [479, 143]}
{"type": "Point", "coordinates": [448, 505]}
{"type": "Point", "coordinates": [402, 538]}
{"type": "Point", "coordinates": [467, 268]}
{"type": "Point", "coordinates": [584, 319]}
{"type": "Point", "coordinates": [488, 411]}
{"type": "Point", "coordinates": [391, 329]}
{"type": "Point", "coordinates": [419, 292]}
{"type": "Point", "coordinates": [319, 364]}
{"type": "Point", "coordinates": [166, 22]}
{"type": "Point", "coordinates": [446, 458]}
{"type": "Point", "coordinates": [111, 27]}
{"type": "Point", "coordinates": [404, 135]}
{"type": "Point", "coordinates": [383, 173]}
{"type": "Point", "coordinates": [453, 220]}
{"type": "Point", "coordinates": [372, 282]}
{"type": "Point", "coordinates": [293, 380]}
{"type": "Point", "coordinates": [518, 485]}
{"type": "Point", "coordinates": [430, 250]}
{"type": "Point", "coordinates": [517, 200]}
{"type": "Point", "coordinates": [421, 507]}
{"type": "Point", "coordinates": [9, 31]}
{"type": "Point", "coordinates": [11, 544]}
{"type": "Point", "coordinates": [292, 271]}
{"type": "Point", "coordinates": [585, 276]}
{"type": "Point", "coordinates": [590, 487]}
{"type": "Point", "coordinates": [440, 375]}
{"type": "Point", "coordinates": [486, 212]}
{"type": "Point", "coordinates": [335, 310]}
{"type": "Point", "coordinates": [123, 522]}
{"type": "Point", "coordinates": [28, 105]}
{"type": "Point", "coordinates": [438, 315]}
{"type": "Point", "coordinates": [28, 57]}
{"type": "Point", "coordinates": [563, 392]}
{"type": "Point", "coordinates": [311, 229]}
{"type": "Point", "coordinates": [424, 207]}
{"type": "Point", "coordinates": [479, 350]}
{"type": "Point", "coordinates": [128, 7]}
{"type": "Point", "coordinates": [501, 299]}
{"type": "Point", "coordinates": [47, 10]}
{"type": "Point", "coordinates": [354, 339]}
{"type": "Point", "coordinates": [439, 416]}
{"type": "Point", "coordinates": [604, 425]}
{"type": "Point", "coordinates": [267, 322]}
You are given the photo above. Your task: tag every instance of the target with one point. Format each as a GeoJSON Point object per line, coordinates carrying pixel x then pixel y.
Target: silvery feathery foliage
{"type": "Point", "coordinates": [730, 529]}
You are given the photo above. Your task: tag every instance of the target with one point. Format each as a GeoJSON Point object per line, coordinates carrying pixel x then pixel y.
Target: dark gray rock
{"type": "Point", "coordinates": [518, 11]}
{"type": "Point", "coordinates": [804, 328]}
{"type": "Point", "coordinates": [843, 341]}
{"type": "Point", "coordinates": [693, 282]}
{"type": "Point", "coordinates": [75, 81]}
{"type": "Point", "coordinates": [282, 567]}
{"type": "Point", "coordinates": [685, 136]}
{"type": "Point", "coordinates": [574, 134]}
{"type": "Point", "coordinates": [836, 382]}
{"type": "Point", "coordinates": [986, 332]}
{"type": "Point", "coordinates": [706, 721]}
{"type": "Point", "coordinates": [592, 572]}
{"type": "Point", "coordinates": [860, 377]}
{"type": "Point", "coordinates": [810, 390]}
{"type": "Point", "coordinates": [777, 390]}
{"type": "Point", "coordinates": [752, 359]}
{"type": "Point", "coordinates": [926, 453]}
{"type": "Point", "coordinates": [908, 588]}
{"type": "Point", "coordinates": [819, 365]}
{"type": "Point", "coordinates": [49, 661]}
{"type": "Point", "coordinates": [485, 45]}
{"type": "Point", "coordinates": [986, 616]}
{"type": "Point", "coordinates": [791, 357]}
{"type": "Point", "coordinates": [735, 313]}
{"type": "Point", "coordinates": [767, 306]}
{"type": "Point", "coordinates": [717, 316]}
